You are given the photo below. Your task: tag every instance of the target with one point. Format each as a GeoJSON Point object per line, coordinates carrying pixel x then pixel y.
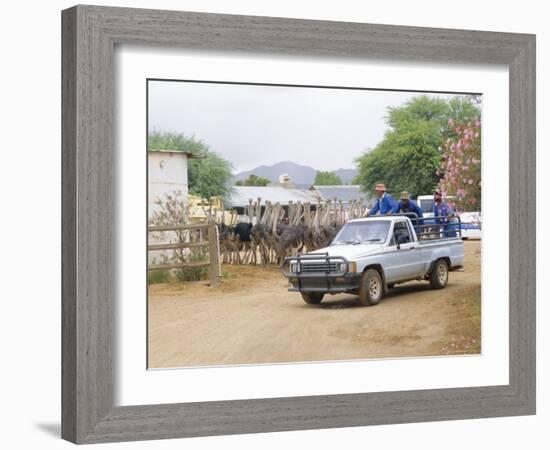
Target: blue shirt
{"type": "Point", "coordinates": [413, 207]}
{"type": "Point", "coordinates": [442, 209]}
{"type": "Point", "coordinates": [383, 205]}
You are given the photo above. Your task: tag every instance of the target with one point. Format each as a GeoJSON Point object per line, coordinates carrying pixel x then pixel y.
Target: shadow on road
{"type": "Point", "coordinates": [351, 301]}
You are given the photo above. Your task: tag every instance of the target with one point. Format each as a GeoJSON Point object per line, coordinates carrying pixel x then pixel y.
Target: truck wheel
{"type": "Point", "coordinates": [439, 275]}
{"type": "Point", "coordinates": [371, 288]}
{"type": "Point", "coordinates": [312, 298]}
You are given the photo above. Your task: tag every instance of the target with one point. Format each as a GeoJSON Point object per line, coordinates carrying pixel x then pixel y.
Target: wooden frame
{"type": "Point", "coordinates": [89, 37]}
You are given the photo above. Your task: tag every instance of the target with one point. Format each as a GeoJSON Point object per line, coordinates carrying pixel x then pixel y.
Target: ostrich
{"type": "Point", "coordinates": [229, 240]}
{"type": "Point", "coordinates": [260, 230]}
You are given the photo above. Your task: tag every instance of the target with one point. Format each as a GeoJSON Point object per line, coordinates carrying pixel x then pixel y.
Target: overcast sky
{"type": "Point", "coordinates": [254, 125]}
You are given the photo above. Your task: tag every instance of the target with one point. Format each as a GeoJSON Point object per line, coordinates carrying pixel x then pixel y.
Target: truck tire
{"type": "Point", "coordinates": [312, 298]}
{"type": "Point", "coordinates": [371, 288]}
{"type": "Point", "coordinates": [439, 275]}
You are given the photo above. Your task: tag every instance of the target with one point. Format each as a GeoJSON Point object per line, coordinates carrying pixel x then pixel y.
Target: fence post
{"type": "Point", "coordinates": [214, 253]}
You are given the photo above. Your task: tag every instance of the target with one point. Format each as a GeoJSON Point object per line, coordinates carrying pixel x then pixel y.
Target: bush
{"type": "Point", "coordinates": [193, 273]}
{"type": "Point", "coordinates": [159, 276]}
{"type": "Point", "coordinates": [173, 211]}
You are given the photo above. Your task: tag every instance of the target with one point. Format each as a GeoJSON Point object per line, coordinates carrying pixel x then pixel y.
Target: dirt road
{"type": "Point", "coordinates": [251, 318]}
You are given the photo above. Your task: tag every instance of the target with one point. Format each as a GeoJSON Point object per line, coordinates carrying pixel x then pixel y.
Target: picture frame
{"type": "Point", "coordinates": [89, 37]}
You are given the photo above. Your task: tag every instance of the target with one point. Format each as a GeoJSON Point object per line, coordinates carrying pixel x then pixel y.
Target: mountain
{"type": "Point", "coordinates": [346, 175]}
{"type": "Point", "coordinates": [300, 175]}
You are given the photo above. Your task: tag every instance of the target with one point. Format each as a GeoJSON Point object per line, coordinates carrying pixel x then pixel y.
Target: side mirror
{"type": "Point", "coordinates": [402, 239]}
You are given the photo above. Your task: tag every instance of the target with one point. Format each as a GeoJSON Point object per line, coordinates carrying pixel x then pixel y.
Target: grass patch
{"type": "Point", "coordinates": [465, 329]}
{"type": "Point", "coordinates": [158, 276]}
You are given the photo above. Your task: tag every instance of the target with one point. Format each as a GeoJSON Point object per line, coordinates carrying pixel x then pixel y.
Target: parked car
{"type": "Point", "coordinates": [369, 256]}
{"type": "Point", "coordinates": [470, 224]}
{"type": "Point", "coordinates": [426, 202]}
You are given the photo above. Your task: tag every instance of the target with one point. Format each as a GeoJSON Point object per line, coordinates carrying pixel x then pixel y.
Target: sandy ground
{"type": "Point", "coordinates": [252, 318]}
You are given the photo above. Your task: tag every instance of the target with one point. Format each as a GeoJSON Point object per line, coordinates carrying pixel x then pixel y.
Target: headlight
{"type": "Point", "coordinates": [350, 267]}
{"type": "Point", "coordinates": [341, 267]}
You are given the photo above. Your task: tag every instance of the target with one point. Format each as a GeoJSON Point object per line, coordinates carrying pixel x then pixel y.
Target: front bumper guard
{"type": "Point", "coordinates": [327, 280]}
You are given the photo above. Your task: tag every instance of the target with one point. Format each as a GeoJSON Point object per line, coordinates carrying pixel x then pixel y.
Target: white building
{"type": "Point", "coordinates": [167, 172]}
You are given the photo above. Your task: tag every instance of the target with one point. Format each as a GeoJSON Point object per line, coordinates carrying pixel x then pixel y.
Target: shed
{"type": "Point", "coordinates": [167, 173]}
{"type": "Point", "coordinates": [240, 196]}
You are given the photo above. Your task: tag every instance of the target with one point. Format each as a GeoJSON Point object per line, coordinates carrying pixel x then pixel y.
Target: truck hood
{"type": "Point", "coordinates": [350, 251]}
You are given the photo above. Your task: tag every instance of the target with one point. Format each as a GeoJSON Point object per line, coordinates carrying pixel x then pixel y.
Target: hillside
{"type": "Point", "coordinates": [300, 175]}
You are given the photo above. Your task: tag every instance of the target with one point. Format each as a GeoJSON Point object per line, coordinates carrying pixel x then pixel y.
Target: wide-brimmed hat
{"type": "Point", "coordinates": [380, 187]}
{"type": "Point", "coordinates": [405, 195]}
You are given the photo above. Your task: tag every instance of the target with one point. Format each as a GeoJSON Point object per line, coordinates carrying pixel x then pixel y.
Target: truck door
{"type": "Point", "coordinates": [403, 259]}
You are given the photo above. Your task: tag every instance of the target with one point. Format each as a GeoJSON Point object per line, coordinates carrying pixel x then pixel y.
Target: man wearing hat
{"type": "Point", "coordinates": [406, 205]}
{"type": "Point", "coordinates": [443, 215]}
{"type": "Point", "coordinates": [384, 202]}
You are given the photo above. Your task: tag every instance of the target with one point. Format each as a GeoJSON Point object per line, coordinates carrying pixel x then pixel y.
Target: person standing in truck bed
{"type": "Point", "coordinates": [406, 205]}
{"type": "Point", "coordinates": [443, 215]}
{"type": "Point", "coordinates": [384, 202]}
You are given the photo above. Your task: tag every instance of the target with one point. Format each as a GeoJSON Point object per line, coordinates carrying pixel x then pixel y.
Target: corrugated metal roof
{"type": "Point", "coordinates": [240, 195]}
{"type": "Point", "coordinates": [344, 192]}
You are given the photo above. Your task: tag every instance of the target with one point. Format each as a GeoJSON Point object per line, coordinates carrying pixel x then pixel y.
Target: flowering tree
{"type": "Point", "coordinates": [461, 165]}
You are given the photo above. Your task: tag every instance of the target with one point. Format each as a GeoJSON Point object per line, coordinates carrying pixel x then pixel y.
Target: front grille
{"type": "Point", "coordinates": [318, 267]}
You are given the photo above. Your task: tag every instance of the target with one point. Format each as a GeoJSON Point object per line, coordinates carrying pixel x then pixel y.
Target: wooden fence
{"type": "Point", "coordinates": [211, 241]}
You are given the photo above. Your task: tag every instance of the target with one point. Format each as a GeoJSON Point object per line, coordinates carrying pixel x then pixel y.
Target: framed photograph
{"type": "Point", "coordinates": [277, 224]}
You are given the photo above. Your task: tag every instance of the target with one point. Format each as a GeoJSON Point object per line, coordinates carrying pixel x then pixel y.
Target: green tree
{"type": "Point", "coordinates": [326, 179]}
{"type": "Point", "coordinates": [253, 180]}
{"type": "Point", "coordinates": [166, 140]}
{"type": "Point", "coordinates": [209, 174]}
{"type": "Point", "coordinates": [409, 156]}
{"type": "Point", "coordinates": [464, 109]}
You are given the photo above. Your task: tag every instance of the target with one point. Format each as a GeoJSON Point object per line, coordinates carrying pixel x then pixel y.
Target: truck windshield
{"type": "Point", "coordinates": [359, 232]}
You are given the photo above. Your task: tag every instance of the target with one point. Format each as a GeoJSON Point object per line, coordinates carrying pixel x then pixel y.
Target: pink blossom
{"type": "Point", "coordinates": [450, 122]}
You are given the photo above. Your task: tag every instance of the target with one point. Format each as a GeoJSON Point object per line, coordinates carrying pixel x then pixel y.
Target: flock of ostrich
{"type": "Point", "coordinates": [271, 231]}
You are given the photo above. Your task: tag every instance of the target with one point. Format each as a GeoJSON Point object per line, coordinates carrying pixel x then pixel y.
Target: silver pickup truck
{"type": "Point", "coordinates": [369, 256]}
